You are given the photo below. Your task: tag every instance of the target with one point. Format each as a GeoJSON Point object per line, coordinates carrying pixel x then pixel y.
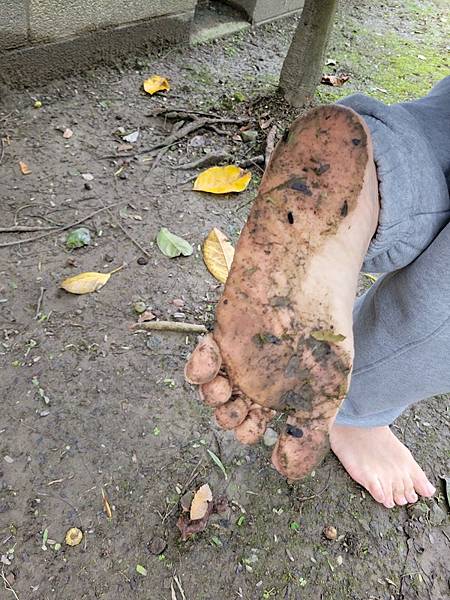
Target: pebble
{"type": "Point", "coordinates": [179, 315]}
{"type": "Point", "coordinates": [142, 260]}
{"type": "Point", "coordinates": [330, 532]}
{"type": "Point", "coordinates": [157, 545]}
{"type": "Point", "coordinates": [270, 437]}
{"type": "Point", "coordinates": [249, 136]}
{"type": "Point", "coordinates": [88, 186]}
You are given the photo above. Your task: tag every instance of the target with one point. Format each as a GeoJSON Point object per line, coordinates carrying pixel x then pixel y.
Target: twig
{"type": "Point", "coordinates": [64, 228]}
{"type": "Point", "coordinates": [184, 487]}
{"type": "Point", "coordinates": [218, 130]}
{"type": "Point", "coordinates": [2, 149]}
{"type": "Point", "coordinates": [122, 228]}
{"type": "Point", "coordinates": [23, 228]}
{"type": "Point", "coordinates": [7, 585]}
{"type": "Point", "coordinates": [304, 498]}
{"type": "Point", "coordinates": [270, 143]}
{"type": "Point", "coordinates": [171, 326]}
{"type": "Point", "coordinates": [253, 161]}
{"type": "Point", "coordinates": [212, 158]}
{"type": "Point", "coordinates": [178, 582]}
{"type": "Point", "coordinates": [39, 303]}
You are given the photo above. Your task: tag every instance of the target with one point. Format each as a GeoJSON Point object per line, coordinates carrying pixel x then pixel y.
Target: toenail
{"type": "Point", "coordinates": [294, 431]}
{"type": "Point", "coordinates": [431, 488]}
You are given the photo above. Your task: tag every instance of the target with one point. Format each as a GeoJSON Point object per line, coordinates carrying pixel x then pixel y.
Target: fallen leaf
{"type": "Point", "coordinates": [141, 570]}
{"type": "Point", "coordinates": [222, 180]}
{"type": "Point", "coordinates": [146, 316]}
{"type": "Point", "coordinates": [156, 83]}
{"type": "Point", "coordinates": [327, 335]}
{"type": "Point", "coordinates": [199, 506]}
{"type": "Point", "coordinates": [44, 539]}
{"type": "Point", "coordinates": [131, 137]}
{"type": "Point", "coordinates": [73, 536]}
{"type": "Point", "coordinates": [85, 283]}
{"type": "Point", "coordinates": [218, 254]}
{"type": "Point", "coordinates": [334, 80]}
{"type": "Point", "coordinates": [188, 527]}
{"type": "Point", "coordinates": [37, 104]}
{"type": "Point", "coordinates": [25, 169]}
{"type": "Point", "coordinates": [68, 133]}
{"type": "Point", "coordinates": [78, 238]}
{"type": "Point", "coordinates": [172, 245]}
{"type": "Point", "coordinates": [106, 506]}
{"type": "Point", "coordinates": [124, 147]}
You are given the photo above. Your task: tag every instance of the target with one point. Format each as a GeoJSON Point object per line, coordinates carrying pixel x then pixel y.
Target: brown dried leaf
{"type": "Point", "coordinates": [218, 254]}
{"type": "Point", "coordinates": [334, 80]}
{"type": "Point", "coordinates": [146, 316]}
{"type": "Point", "coordinates": [202, 499]}
{"type": "Point", "coordinates": [24, 168]}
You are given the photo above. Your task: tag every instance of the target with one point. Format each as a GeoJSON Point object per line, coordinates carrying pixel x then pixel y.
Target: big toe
{"type": "Point", "coordinates": [422, 485]}
{"type": "Point", "coordinates": [204, 363]}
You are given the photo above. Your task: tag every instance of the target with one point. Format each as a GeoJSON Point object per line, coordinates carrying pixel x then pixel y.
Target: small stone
{"type": "Point", "coordinates": [142, 260]}
{"type": "Point", "coordinates": [8, 459]}
{"type": "Point", "coordinates": [87, 176]}
{"type": "Point", "coordinates": [330, 532]}
{"type": "Point", "coordinates": [139, 307]}
{"type": "Point", "coordinates": [157, 545]}
{"type": "Point", "coordinates": [108, 258]}
{"type": "Point", "coordinates": [10, 578]}
{"type": "Point", "coordinates": [339, 560]}
{"type": "Point", "coordinates": [123, 175]}
{"type": "Point", "coordinates": [270, 437]}
{"type": "Point", "coordinates": [179, 315]}
{"type": "Point", "coordinates": [249, 136]}
{"type": "Point", "coordinates": [437, 515]}
{"type": "Point", "coordinates": [178, 302]}
{"type": "Point", "coordinates": [88, 186]}
{"type": "Point", "coordinates": [186, 501]}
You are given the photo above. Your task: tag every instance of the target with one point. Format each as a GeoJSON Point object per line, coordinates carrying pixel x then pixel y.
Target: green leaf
{"type": "Point", "coordinates": [217, 461]}
{"type": "Point", "coordinates": [327, 335]}
{"type": "Point", "coordinates": [171, 245]}
{"type": "Point", "coordinates": [295, 526]}
{"type": "Point", "coordinates": [57, 547]}
{"type": "Point", "coordinates": [78, 238]}
{"type": "Point", "coordinates": [240, 521]}
{"type": "Point", "coordinates": [141, 570]}
{"type": "Point", "coordinates": [216, 541]}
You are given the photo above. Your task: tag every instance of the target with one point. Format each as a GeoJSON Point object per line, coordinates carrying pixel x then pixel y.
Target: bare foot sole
{"type": "Point", "coordinates": [283, 336]}
{"type": "Point", "coordinates": [378, 461]}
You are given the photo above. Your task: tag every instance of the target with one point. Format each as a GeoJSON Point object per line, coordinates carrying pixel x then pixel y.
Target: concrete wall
{"type": "Point", "coordinates": [24, 22]}
{"type": "Point", "coordinates": [260, 11]}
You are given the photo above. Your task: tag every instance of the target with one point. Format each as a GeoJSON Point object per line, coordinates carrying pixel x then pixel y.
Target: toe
{"type": "Point", "coordinates": [422, 485]}
{"type": "Point", "coordinates": [204, 363]}
{"type": "Point", "coordinates": [410, 493]}
{"type": "Point", "coordinates": [253, 427]}
{"type": "Point", "coordinates": [375, 489]}
{"type": "Point", "coordinates": [216, 392]}
{"type": "Point", "coordinates": [232, 413]}
{"type": "Point", "coordinates": [399, 495]}
{"type": "Point", "coordinates": [388, 501]}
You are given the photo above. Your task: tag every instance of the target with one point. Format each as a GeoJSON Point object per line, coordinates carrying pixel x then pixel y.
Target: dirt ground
{"type": "Point", "coordinates": [88, 404]}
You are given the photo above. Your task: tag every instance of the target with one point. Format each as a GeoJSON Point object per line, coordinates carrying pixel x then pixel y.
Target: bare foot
{"type": "Point", "coordinates": [378, 461]}
{"type": "Point", "coordinates": [283, 337]}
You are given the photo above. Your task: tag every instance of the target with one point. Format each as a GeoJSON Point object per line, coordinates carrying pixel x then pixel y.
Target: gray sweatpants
{"type": "Point", "coordinates": [402, 324]}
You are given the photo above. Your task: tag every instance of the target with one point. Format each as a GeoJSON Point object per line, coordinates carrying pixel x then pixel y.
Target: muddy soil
{"type": "Point", "coordinates": [89, 405]}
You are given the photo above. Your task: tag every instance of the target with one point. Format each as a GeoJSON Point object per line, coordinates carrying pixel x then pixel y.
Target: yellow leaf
{"type": "Point", "coordinates": [222, 180]}
{"type": "Point", "coordinates": [327, 335]}
{"type": "Point", "coordinates": [73, 536]}
{"type": "Point", "coordinates": [156, 83]}
{"type": "Point", "coordinates": [84, 283]}
{"type": "Point", "coordinates": [200, 501]}
{"type": "Point", "coordinates": [106, 506]}
{"type": "Point", "coordinates": [24, 168]}
{"type": "Point", "coordinates": [218, 254]}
